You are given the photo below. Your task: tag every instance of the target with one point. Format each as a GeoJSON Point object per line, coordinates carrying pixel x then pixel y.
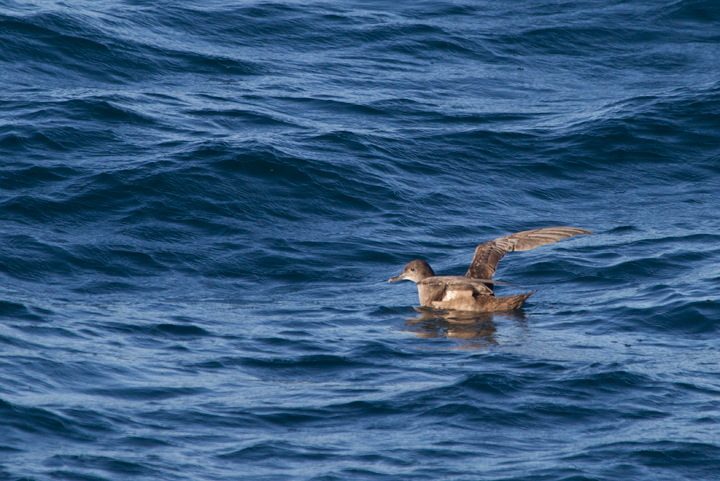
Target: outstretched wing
{"type": "Point", "coordinates": [488, 255]}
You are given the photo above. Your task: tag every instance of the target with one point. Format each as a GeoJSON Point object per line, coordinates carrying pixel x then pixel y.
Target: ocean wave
{"type": "Point", "coordinates": [201, 205]}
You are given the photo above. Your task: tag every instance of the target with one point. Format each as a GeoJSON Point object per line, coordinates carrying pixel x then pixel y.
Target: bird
{"type": "Point", "coordinates": [475, 290]}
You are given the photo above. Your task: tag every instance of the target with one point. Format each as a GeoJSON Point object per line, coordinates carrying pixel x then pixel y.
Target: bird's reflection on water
{"type": "Point", "coordinates": [476, 330]}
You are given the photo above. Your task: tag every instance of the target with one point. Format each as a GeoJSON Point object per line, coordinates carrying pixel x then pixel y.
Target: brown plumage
{"type": "Point", "coordinates": [474, 291]}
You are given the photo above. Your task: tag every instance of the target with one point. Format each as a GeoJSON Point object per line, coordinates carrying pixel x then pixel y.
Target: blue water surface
{"type": "Point", "coordinates": [201, 203]}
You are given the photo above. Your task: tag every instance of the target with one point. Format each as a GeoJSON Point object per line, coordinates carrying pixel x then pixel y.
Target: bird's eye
{"type": "Point", "coordinates": [412, 269]}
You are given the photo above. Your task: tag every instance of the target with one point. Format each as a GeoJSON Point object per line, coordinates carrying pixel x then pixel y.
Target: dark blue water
{"type": "Point", "coordinates": [201, 203]}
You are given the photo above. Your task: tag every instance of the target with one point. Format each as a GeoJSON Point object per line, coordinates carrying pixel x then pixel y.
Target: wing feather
{"type": "Point", "coordinates": [488, 255]}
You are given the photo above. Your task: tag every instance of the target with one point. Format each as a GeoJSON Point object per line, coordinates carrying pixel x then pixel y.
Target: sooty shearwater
{"type": "Point", "coordinates": [474, 291]}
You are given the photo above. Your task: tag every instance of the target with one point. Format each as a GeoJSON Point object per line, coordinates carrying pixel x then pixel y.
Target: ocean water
{"type": "Point", "coordinates": [201, 203]}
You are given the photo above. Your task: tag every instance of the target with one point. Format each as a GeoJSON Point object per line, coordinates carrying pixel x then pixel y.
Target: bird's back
{"type": "Point", "coordinates": [447, 288]}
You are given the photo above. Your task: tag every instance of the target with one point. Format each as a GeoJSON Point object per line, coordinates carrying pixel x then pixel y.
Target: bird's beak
{"type": "Point", "coordinates": [398, 278]}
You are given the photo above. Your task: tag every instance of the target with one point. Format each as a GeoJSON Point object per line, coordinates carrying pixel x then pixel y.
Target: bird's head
{"type": "Point", "coordinates": [415, 271]}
